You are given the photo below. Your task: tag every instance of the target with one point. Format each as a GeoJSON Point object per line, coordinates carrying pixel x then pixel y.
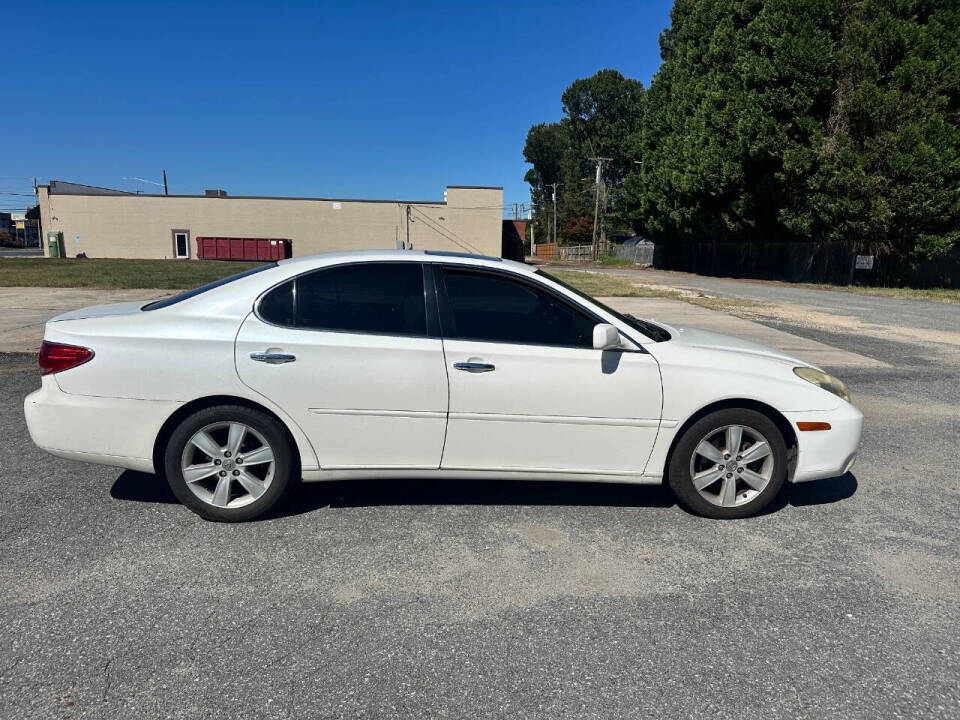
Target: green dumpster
{"type": "Point", "coordinates": [55, 244]}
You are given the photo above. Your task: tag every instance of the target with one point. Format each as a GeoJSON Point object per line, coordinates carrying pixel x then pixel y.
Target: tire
{"type": "Point", "coordinates": [239, 461]}
{"type": "Point", "coordinates": [728, 489]}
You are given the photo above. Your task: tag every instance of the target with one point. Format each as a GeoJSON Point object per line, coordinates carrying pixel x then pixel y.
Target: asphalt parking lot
{"type": "Point", "coordinates": [535, 600]}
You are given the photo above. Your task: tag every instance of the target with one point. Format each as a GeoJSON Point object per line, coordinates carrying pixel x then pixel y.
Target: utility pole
{"type": "Point", "coordinates": [546, 212]}
{"type": "Point", "coordinates": [554, 187]}
{"type": "Point", "coordinates": [533, 239]}
{"type": "Point", "coordinates": [596, 201]}
{"type": "Point", "coordinates": [409, 245]}
{"type": "Point", "coordinates": [165, 183]}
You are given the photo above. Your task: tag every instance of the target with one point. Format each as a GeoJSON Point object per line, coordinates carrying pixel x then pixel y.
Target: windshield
{"type": "Point", "coordinates": [174, 299]}
{"type": "Point", "coordinates": [651, 330]}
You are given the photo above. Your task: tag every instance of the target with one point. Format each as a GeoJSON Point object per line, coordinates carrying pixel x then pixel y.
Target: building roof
{"type": "Point", "coordinates": [60, 187]}
{"type": "Point", "coordinates": [476, 187]}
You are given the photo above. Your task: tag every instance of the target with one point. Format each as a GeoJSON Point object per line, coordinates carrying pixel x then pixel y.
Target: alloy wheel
{"type": "Point", "coordinates": [227, 464]}
{"type": "Point", "coordinates": [731, 465]}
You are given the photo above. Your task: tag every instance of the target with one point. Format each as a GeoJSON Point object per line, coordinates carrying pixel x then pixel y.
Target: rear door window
{"type": "Point", "coordinates": [381, 298]}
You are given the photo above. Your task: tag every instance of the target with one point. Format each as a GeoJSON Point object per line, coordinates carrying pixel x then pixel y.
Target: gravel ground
{"type": "Point", "coordinates": [431, 599]}
{"type": "Point", "coordinates": [872, 309]}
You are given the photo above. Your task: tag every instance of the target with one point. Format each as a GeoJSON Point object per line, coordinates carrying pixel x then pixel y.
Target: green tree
{"type": "Point", "coordinates": [740, 89]}
{"type": "Point", "coordinates": [884, 170]}
{"type": "Point", "coordinates": [778, 120]}
{"type": "Point", "coordinates": [601, 116]}
{"type": "Point", "coordinates": [545, 148]}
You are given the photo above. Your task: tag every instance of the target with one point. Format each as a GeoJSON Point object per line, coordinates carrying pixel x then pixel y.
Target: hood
{"type": "Point", "coordinates": [695, 337]}
{"type": "Point", "coordinates": [124, 308]}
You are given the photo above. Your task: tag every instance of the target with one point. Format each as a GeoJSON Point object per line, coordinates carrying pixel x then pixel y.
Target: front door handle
{"type": "Point", "coordinates": [272, 358]}
{"type": "Point", "coordinates": [474, 367]}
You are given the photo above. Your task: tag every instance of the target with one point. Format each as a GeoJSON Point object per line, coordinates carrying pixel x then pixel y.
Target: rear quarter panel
{"type": "Point", "coordinates": [150, 356]}
{"type": "Point", "coordinates": [180, 354]}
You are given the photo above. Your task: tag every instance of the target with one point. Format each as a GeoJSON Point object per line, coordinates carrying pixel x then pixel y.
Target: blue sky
{"type": "Point", "coordinates": [373, 100]}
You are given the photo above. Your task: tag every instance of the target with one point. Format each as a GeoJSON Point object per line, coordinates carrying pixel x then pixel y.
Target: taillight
{"type": "Point", "coordinates": [57, 357]}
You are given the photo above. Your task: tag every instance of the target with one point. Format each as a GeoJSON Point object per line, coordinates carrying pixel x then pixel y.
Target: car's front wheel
{"type": "Point", "coordinates": [229, 463]}
{"type": "Point", "coordinates": [729, 464]}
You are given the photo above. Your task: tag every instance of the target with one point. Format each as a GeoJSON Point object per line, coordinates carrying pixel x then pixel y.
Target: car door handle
{"type": "Point", "coordinates": [272, 358]}
{"type": "Point", "coordinates": [474, 367]}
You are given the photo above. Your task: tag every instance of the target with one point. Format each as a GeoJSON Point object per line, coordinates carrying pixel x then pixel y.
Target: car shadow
{"type": "Point", "coordinates": [815, 492]}
{"type": "Point", "coordinates": [134, 486]}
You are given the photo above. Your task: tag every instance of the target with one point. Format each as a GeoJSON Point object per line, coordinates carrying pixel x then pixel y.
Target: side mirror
{"type": "Point", "coordinates": [605, 337]}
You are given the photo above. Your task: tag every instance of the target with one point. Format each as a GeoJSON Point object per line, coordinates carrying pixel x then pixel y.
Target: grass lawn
{"type": "Point", "coordinates": [613, 286]}
{"type": "Point", "coordinates": [114, 274]}
{"type": "Point", "coordinates": [603, 285]}
{"type": "Point", "coordinates": [944, 295]}
{"type": "Point", "coordinates": [111, 274]}
{"type": "Point", "coordinates": [614, 261]}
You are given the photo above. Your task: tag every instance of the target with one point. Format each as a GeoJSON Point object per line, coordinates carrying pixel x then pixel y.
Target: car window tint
{"type": "Point", "coordinates": [277, 305]}
{"type": "Point", "coordinates": [366, 297]}
{"type": "Point", "coordinates": [650, 329]}
{"type": "Point", "coordinates": [485, 306]}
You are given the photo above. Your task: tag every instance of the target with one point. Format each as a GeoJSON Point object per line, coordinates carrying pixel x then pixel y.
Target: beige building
{"type": "Point", "coordinates": [112, 223]}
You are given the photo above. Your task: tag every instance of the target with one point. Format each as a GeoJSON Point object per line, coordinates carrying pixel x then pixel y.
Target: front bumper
{"type": "Point", "coordinates": [107, 431]}
{"type": "Point", "coordinates": [826, 453]}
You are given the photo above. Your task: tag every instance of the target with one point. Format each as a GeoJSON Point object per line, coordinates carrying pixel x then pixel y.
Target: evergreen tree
{"type": "Point", "coordinates": [601, 114]}
{"type": "Point", "coordinates": [883, 171]}
{"type": "Point", "coordinates": [776, 120]}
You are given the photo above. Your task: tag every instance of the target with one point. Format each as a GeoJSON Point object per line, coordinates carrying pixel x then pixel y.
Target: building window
{"type": "Point", "coordinates": [181, 244]}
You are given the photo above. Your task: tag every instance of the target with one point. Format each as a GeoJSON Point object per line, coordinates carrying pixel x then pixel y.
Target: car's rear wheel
{"type": "Point", "coordinates": [729, 464]}
{"type": "Point", "coordinates": [229, 463]}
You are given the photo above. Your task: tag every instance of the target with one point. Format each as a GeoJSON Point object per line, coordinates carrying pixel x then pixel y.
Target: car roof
{"type": "Point", "coordinates": [432, 256]}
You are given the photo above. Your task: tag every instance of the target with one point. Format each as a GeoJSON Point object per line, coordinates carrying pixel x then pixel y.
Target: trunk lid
{"type": "Point", "coordinates": [124, 308]}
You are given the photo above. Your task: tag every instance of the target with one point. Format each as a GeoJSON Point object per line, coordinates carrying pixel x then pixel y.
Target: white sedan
{"type": "Point", "coordinates": [406, 364]}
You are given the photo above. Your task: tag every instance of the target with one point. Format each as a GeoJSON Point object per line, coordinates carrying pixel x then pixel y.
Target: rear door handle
{"type": "Point", "coordinates": [272, 358]}
{"type": "Point", "coordinates": [474, 367]}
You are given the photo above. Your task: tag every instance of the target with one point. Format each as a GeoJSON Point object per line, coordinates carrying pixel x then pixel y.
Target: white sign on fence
{"type": "Point", "coordinates": [864, 262]}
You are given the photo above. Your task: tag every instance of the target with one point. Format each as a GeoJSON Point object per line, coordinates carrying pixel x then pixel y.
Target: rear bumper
{"type": "Point", "coordinates": [827, 453]}
{"type": "Point", "coordinates": [107, 431]}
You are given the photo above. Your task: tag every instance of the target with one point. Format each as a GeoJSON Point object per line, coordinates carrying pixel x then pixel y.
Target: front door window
{"type": "Point", "coordinates": [489, 307]}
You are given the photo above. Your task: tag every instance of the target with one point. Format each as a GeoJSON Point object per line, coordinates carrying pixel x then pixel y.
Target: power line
{"type": "Point", "coordinates": [447, 233]}
{"type": "Point", "coordinates": [444, 232]}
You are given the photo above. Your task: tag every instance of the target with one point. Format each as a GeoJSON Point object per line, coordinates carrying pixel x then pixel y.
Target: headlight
{"type": "Point", "coordinates": [827, 382]}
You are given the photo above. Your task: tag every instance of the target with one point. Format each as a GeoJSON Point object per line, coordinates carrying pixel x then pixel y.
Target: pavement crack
{"type": "Point", "coordinates": [106, 679]}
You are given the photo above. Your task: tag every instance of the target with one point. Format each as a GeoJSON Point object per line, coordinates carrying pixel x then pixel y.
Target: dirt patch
{"type": "Point", "coordinates": [531, 563]}
{"type": "Point", "coordinates": [920, 573]}
{"type": "Point", "coordinates": [540, 536]}
{"type": "Point", "coordinates": [894, 412]}
{"type": "Point", "coordinates": [809, 317]}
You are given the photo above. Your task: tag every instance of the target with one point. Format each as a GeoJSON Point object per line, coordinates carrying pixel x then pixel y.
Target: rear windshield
{"type": "Point", "coordinates": [173, 300]}
{"type": "Point", "coordinates": [651, 330]}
